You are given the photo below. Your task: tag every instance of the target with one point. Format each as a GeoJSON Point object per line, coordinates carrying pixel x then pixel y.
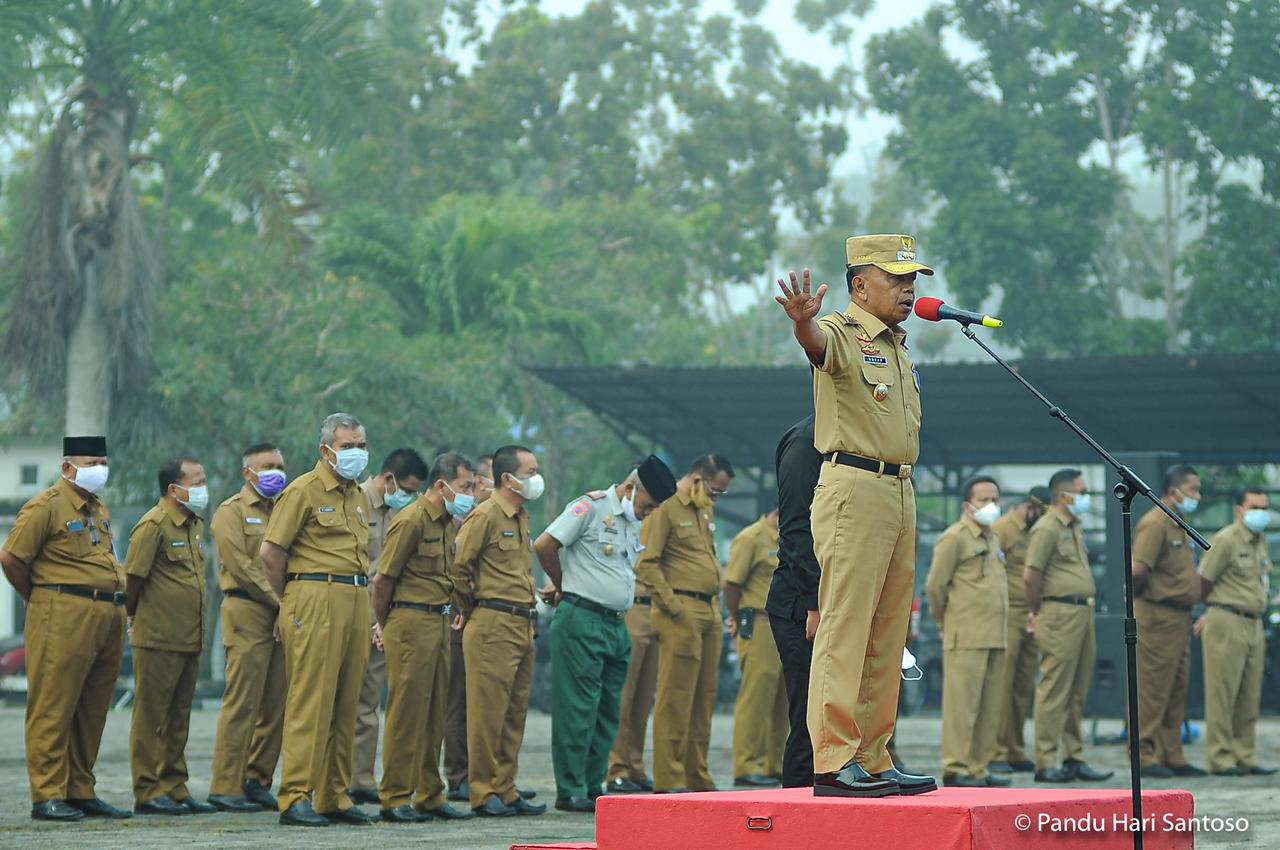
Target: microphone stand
{"type": "Point", "coordinates": [1130, 486]}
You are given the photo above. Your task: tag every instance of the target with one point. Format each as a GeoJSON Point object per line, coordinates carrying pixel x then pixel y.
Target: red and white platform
{"type": "Point", "coordinates": [947, 819]}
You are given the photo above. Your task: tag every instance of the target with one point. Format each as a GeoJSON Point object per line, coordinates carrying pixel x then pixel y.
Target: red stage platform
{"type": "Point", "coordinates": [951, 818]}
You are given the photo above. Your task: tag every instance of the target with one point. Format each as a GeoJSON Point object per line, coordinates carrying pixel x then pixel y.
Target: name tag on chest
{"type": "Point", "coordinates": [253, 520]}
{"type": "Point", "coordinates": [177, 544]}
{"type": "Point", "coordinates": [873, 360]}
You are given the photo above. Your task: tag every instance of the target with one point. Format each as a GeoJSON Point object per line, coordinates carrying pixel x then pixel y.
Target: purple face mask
{"type": "Point", "coordinates": [271, 482]}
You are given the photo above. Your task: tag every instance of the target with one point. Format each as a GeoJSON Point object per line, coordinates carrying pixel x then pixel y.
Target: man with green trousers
{"type": "Point", "coordinates": [589, 553]}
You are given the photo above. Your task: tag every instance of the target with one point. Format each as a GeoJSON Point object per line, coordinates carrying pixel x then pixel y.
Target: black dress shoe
{"type": "Point", "coordinates": [1023, 766]}
{"type": "Point", "coordinates": [909, 783]}
{"type": "Point", "coordinates": [526, 795]}
{"type": "Point", "coordinates": [1156, 771]}
{"type": "Point", "coordinates": [756, 780]}
{"type": "Point", "coordinates": [1054, 774]}
{"type": "Point", "coordinates": [645, 783]}
{"type": "Point", "coordinates": [96, 808]}
{"type": "Point", "coordinates": [56, 810]}
{"type": "Point", "coordinates": [594, 794]}
{"type": "Point", "coordinates": [365, 795]}
{"type": "Point", "coordinates": [354, 816]}
{"type": "Point", "coordinates": [1084, 773]}
{"type": "Point", "coordinates": [962, 780]}
{"type": "Point", "coordinates": [994, 781]}
{"type": "Point", "coordinates": [494, 808]}
{"type": "Point", "coordinates": [461, 794]}
{"type": "Point", "coordinates": [196, 807]}
{"type": "Point", "coordinates": [256, 792]}
{"type": "Point", "coordinates": [852, 781]}
{"type": "Point", "coordinates": [1259, 770]}
{"type": "Point", "coordinates": [239, 805]}
{"type": "Point", "coordinates": [162, 805]}
{"type": "Point", "coordinates": [622, 785]}
{"type": "Point", "coordinates": [582, 805]}
{"type": "Point", "coordinates": [1187, 770]}
{"type": "Point", "coordinates": [524, 807]}
{"type": "Point", "coordinates": [1000, 767]}
{"type": "Point", "coordinates": [401, 814]}
{"type": "Point", "coordinates": [302, 814]}
{"type": "Point", "coordinates": [448, 812]}
{"type": "Point", "coordinates": [1230, 771]}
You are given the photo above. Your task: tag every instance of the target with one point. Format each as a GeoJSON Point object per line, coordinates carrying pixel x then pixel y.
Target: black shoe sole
{"type": "Point", "coordinates": [53, 819]}
{"type": "Point", "coordinates": [291, 822]}
{"type": "Point", "coordinates": [829, 791]}
{"type": "Point", "coordinates": [922, 789]}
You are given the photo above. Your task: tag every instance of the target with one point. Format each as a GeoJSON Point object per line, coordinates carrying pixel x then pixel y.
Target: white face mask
{"type": "Point", "coordinates": [629, 508]}
{"type": "Point", "coordinates": [197, 498]}
{"type": "Point", "coordinates": [531, 488]}
{"type": "Point", "coordinates": [91, 479]}
{"type": "Point", "coordinates": [987, 514]}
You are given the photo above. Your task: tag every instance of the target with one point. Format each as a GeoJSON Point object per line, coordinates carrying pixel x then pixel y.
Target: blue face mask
{"type": "Point", "coordinates": [399, 500]}
{"type": "Point", "coordinates": [351, 462]}
{"type": "Point", "coordinates": [1081, 505]}
{"type": "Point", "coordinates": [1188, 505]}
{"type": "Point", "coordinates": [1257, 520]}
{"type": "Point", "coordinates": [461, 505]}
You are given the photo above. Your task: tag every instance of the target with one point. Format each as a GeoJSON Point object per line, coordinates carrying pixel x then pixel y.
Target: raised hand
{"type": "Point", "coordinates": [801, 304]}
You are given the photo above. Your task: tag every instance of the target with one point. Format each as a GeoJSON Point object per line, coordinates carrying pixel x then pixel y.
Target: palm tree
{"type": "Point", "coordinates": [238, 89]}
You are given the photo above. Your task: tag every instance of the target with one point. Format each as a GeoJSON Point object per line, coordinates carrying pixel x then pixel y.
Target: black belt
{"type": "Point", "coordinates": [1169, 603]}
{"type": "Point", "coordinates": [644, 600]}
{"type": "Point", "coordinates": [575, 599]}
{"type": "Point", "coordinates": [358, 581]}
{"type": "Point", "coordinates": [693, 594]}
{"type": "Point", "coordinates": [893, 470]}
{"type": "Point", "coordinates": [508, 608]}
{"type": "Point", "coordinates": [1235, 610]}
{"type": "Point", "coordinates": [114, 597]}
{"type": "Point", "coordinates": [237, 593]}
{"type": "Point", "coordinates": [1071, 600]}
{"type": "Point", "coordinates": [422, 606]}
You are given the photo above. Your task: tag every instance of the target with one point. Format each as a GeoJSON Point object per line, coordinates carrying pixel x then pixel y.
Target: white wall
{"type": "Point", "coordinates": [15, 453]}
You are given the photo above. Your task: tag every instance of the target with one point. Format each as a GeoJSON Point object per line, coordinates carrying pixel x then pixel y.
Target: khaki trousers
{"type": "Point", "coordinates": [417, 653]}
{"type": "Point", "coordinates": [688, 677]}
{"type": "Point", "coordinates": [760, 722]}
{"type": "Point", "coordinates": [326, 642]}
{"type": "Point", "coordinates": [1017, 687]}
{"type": "Point", "coordinates": [864, 533]}
{"type": "Point", "coordinates": [74, 648]}
{"type": "Point", "coordinates": [455, 715]}
{"type": "Point", "coordinates": [971, 689]}
{"type": "Point", "coordinates": [251, 722]}
{"type": "Point", "coordinates": [165, 684]}
{"type": "Point", "coordinates": [365, 749]}
{"type": "Point", "coordinates": [1164, 673]}
{"type": "Point", "coordinates": [1234, 659]}
{"type": "Point", "coordinates": [1065, 635]}
{"type": "Point", "coordinates": [498, 648]}
{"type": "Point", "coordinates": [626, 759]}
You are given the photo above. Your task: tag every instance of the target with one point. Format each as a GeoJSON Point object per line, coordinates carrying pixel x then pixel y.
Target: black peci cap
{"type": "Point", "coordinates": [84, 446]}
{"type": "Point", "coordinates": [657, 479]}
{"type": "Point", "coordinates": [1039, 496]}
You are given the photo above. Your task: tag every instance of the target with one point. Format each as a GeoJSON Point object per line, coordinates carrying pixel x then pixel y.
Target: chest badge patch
{"type": "Point", "coordinates": [880, 393]}
{"type": "Point", "coordinates": [253, 520]}
{"type": "Point", "coordinates": [328, 510]}
{"type": "Point", "coordinates": [609, 521]}
{"type": "Point", "coordinates": [875, 360]}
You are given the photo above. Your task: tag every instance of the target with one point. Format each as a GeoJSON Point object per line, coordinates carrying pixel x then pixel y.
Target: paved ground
{"type": "Point", "coordinates": [1257, 799]}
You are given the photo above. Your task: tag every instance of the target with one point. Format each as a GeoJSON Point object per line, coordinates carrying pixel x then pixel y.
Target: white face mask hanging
{"type": "Point", "coordinates": [909, 663]}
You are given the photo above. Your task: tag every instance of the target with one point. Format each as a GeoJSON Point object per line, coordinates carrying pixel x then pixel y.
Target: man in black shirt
{"type": "Point", "coordinates": [793, 595]}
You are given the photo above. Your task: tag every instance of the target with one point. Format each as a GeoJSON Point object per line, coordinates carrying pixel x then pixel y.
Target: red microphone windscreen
{"type": "Point", "coordinates": [927, 308]}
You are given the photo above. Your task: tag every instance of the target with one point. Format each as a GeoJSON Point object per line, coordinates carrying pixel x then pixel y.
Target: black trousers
{"type": "Point", "coordinates": [796, 653]}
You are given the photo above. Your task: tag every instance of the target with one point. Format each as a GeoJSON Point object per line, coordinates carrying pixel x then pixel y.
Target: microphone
{"type": "Point", "coordinates": [934, 310]}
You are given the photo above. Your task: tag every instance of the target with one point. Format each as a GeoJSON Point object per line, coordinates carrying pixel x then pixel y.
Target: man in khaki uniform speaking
{"type": "Point", "coordinates": [166, 605]}
{"type": "Point", "coordinates": [1166, 587]}
{"type": "Point", "coordinates": [760, 710]}
{"type": "Point", "coordinates": [1021, 655]}
{"type": "Point", "coordinates": [318, 542]}
{"type": "Point", "coordinates": [251, 720]}
{"type": "Point", "coordinates": [1234, 578]}
{"type": "Point", "coordinates": [867, 402]}
{"type": "Point", "coordinates": [412, 604]}
{"type": "Point", "coordinates": [493, 585]}
{"type": "Point", "coordinates": [1060, 593]}
{"type": "Point", "coordinates": [969, 597]}
{"type": "Point", "coordinates": [59, 560]}
{"type": "Point", "coordinates": [392, 489]}
{"type": "Point", "coordinates": [679, 566]}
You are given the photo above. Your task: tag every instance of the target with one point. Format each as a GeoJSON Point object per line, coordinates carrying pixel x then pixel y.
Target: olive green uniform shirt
{"type": "Point", "coordinates": [238, 527]}
{"type": "Point", "coordinates": [967, 588]}
{"type": "Point", "coordinates": [679, 552]}
{"type": "Point", "coordinates": [164, 551]}
{"type": "Point", "coordinates": [322, 522]}
{"type": "Point", "coordinates": [418, 554]}
{"type": "Point", "coordinates": [494, 557]}
{"type": "Point", "coordinates": [1056, 550]}
{"type": "Point", "coordinates": [1012, 532]}
{"type": "Point", "coordinates": [753, 556]}
{"type": "Point", "coordinates": [1238, 565]}
{"type": "Point", "coordinates": [65, 538]}
{"type": "Point", "coordinates": [1166, 550]}
{"type": "Point", "coordinates": [866, 393]}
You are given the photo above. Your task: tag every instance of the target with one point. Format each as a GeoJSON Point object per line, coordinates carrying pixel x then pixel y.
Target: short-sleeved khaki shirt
{"type": "Point", "coordinates": [753, 556]}
{"type": "Point", "coordinates": [164, 551]}
{"type": "Point", "coordinates": [418, 554]}
{"type": "Point", "coordinates": [1012, 532]}
{"type": "Point", "coordinates": [238, 527]}
{"type": "Point", "coordinates": [1056, 549]}
{"type": "Point", "coordinates": [1166, 550]}
{"type": "Point", "coordinates": [323, 523]}
{"type": "Point", "coordinates": [65, 538]}
{"type": "Point", "coordinates": [866, 393]}
{"type": "Point", "coordinates": [494, 557]}
{"type": "Point", "coordinates": [380, 516]}
{"type": "Point", "coordinates": [1238, 564]}
{"type": "Point", "coordinates": [679, 551]}
{"type": "Point", "coordinates": [967, 588]}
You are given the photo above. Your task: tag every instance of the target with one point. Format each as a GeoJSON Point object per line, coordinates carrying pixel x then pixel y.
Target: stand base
{"type": "Point", "coordinates": [949, 819]}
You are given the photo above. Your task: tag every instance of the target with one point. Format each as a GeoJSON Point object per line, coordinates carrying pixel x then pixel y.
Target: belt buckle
{"type": "Point", "coordinates": [118, 598]}
{"type": "Point", "coordinates": [446, 610]}
{"type": "Point", "coordinates": [904, 471]}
